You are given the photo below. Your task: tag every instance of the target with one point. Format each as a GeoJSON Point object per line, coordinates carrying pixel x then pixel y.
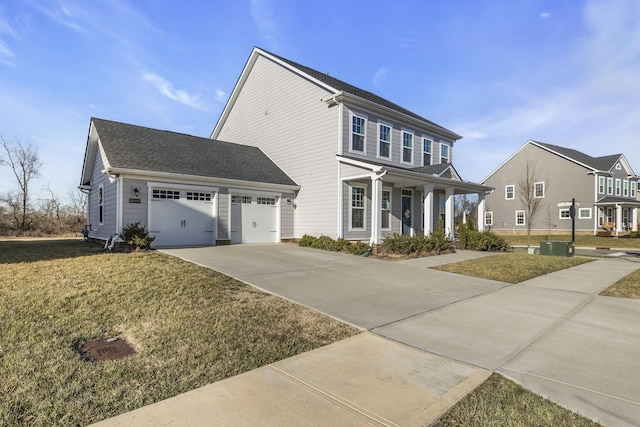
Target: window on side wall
{"type": "Point", "coordinates": [565, 213]}
{"type": "Point", "coordinates": [538, 190]}
{"type": "Point", "coordinates": [357, 208]}
{"type": "Point", "coordinates": [358, 127]}
{"type": "Point", "coordinates": [384, 141]}
{"type": "Point", "coordinates": [610, 186]}
{"type": "Point", "coordinates": [407, 147]}
{"type": "Point", "coordinates": [444, 153]}
{"type": "Point", "coordinates": [386, 209]}
{"type": "Point", "coordinates": [509, 192]}
{"type": "Point", "coordinates": [427, 146]}
{"type": "Point", "coordinates": [601, 184]}
{"type": "Point", "coordinates": [584, 213]}
{"type": "Point", "coordinates": [101, 204]}
{"type": "Point", "coordinates": [488, 218]}
{"type": "Point", "coordinates": [625, 188]}
{"type": "Point", "coordinates": [520, 218]}
{"type": "Point", "coordinates": [634, 187]}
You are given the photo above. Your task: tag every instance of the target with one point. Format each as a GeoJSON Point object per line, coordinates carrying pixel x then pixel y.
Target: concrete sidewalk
{"type": "Point", "coordinates": [365, 380]}
{"type": "Point", "coordinates": [446, 332]}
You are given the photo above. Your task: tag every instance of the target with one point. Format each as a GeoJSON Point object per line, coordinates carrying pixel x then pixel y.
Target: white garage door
{"type": "Point", "coordinates": [253, 219]}
{"type": "Point", "coordinates": [181, 217]}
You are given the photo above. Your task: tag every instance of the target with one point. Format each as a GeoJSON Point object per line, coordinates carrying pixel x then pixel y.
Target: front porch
{"type": "Point", "coordinates": [377, 200]}
{"type": "Point", "coordinates": [616, 216]}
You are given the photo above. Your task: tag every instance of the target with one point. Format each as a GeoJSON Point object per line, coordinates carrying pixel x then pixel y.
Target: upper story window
{"type": "Point", "coordinates": [538, 190]}
{"type": "Point", "coordinates": [407, 147]}
{"type": "Point", "coordinates": [384, 141]}
{"type": "Point", "coordinates": [601, 181]}
{"type": "Point", "coordinates": [427, 146]}
{"type": "Point", "coordinates": [618, 166]}
{"type": "Point", "coordinates": [625, 188]}
{"type": "Point", "coordinates": [618, 186]}
{"type": "Point", "coordinates": [610, 186]}
{"type": "Point", "coordinates": [444, 153]}
{"type": "Point", "coordinates": [509, 192]}
{"type": "Point", "coordinates": [358, 127]}
{"type": "Point", "coordinates": [634, 187]}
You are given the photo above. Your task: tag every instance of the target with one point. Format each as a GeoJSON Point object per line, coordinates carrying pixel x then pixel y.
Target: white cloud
{"type": "Point", "coordinates": [166, 88]}
{"type": "Point", "coordinates": [263, 16]}
{"type": "Point", "coordinates": [379, 78]}
{"type": "Point", "coordinates": [544, 15]}
{"type": "Point", "coordinates": [6, 54]}
{"type": "Point", "coordinates": [221, 96]}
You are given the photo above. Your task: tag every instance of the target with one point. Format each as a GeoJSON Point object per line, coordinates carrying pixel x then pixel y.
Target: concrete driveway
{"type": "Point", "coordinates": [553, 334]}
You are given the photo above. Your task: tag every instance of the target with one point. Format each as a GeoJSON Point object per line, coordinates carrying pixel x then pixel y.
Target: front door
{"type": "Point", "coordinates": [407, 196]}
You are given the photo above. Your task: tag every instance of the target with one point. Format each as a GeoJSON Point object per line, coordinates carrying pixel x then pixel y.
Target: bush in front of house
{"type": "Point", "coordinates": [436, 242]}
{"type": "Point", "coordinates": [335, 245]}
{"type": "Point", "coordinates": [135, 236]}
{"type": "Point", "coordinates": [469, 238]}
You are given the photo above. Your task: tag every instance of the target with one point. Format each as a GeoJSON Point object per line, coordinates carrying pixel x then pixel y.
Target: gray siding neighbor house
{"type": "Point", "coordinates": [605, 190]}
{"type": "Point", "coordinates": [294, 152]}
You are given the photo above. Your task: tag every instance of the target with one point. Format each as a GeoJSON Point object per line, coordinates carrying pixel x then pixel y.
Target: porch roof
{"type": "Point", "coordinates": [417, 177]}
{"type": "Point", "coordinates": [617, 201]}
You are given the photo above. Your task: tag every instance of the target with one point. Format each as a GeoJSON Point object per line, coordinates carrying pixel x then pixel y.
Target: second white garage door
{"type": "Point", "coordinates": [253, 219]}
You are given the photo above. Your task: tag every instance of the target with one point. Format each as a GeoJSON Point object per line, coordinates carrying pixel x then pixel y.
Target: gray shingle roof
{"type": "Point", "coordinates": [603, 163]}
{"type": "Point", "coordinates": [346, 87]}
{"type": "Point", "coordinates": [135, 147]}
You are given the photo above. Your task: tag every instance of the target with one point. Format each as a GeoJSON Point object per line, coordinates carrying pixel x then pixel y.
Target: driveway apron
{"type": "Point", "coordinates": [553, 334]}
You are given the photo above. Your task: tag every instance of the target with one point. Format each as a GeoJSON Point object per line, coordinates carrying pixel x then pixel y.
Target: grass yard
{"type": "Point", "coordinates": [512, 267]}
{"type": "Point", "coordinates": [581, 240]}
{"type": "Point", "coordinates": [501, 402]}
{"type": "Point", "coordinates": [627, 287]}
{"type": "Point", "coordinates": [189, 325]}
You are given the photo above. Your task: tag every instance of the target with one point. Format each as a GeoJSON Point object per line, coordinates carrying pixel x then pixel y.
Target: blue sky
{"type": "Point", "coordinates": [564, 72]}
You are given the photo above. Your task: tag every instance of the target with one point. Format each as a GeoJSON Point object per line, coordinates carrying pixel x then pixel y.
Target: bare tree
{"type": "Point", "coordinates": [529, 195]}
{"type": "Point", "coordinates": [25, 164]}
{"type": "Point", "coordinates": [77, 205]}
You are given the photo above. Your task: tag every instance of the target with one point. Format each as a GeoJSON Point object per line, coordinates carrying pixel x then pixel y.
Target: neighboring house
{"type": "Point", "coordinates": [343, 162]}
{"type": "Point", "coordinates": [605, 190]}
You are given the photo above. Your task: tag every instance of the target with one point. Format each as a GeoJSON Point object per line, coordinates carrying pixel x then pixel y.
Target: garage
{"type": "Point", "coordinates": [254, 218]}
{"type": "Point", "coordinates": [181, 217]}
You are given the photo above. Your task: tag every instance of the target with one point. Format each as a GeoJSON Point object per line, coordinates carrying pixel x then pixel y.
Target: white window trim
{"type": "Point", "coordinates": [618, 188]}
{"type": "Point", "coordinates": [364, 134]}
{"type": "Point", "coordinates": [524, 219]}
{"type": "Point", "coordinates": [390, 190]}
{"type": "Point", "coordinates": [430, 152]}
{"type": "Point", "coordinates": [443, 144]}
{"type": "Point", "coordinates": [618, 166]}
{"type": "Point", "coordinates": [364, 208]}
{"type": "Point", "coordinates": [625, 188]}
{"type": "Point", "coordinates": [534, 190]}
{"type": "Point", "coordinates": [506, 192]}
{"type": "Point", "coordinates": [610, 186]}
{"type": "Point", "coordinates": [634, 188]}
{"type": "Point", "coordinates": [602, 186]}
{"type": "Point", "coordinates": [101, 197]}
{"type": "Point", "coordinates": [413, 146]}
{"type": "Point", "coordinates": [587, 210]}
{"type": "Point", "coordinates": [488, 214]}
{"type": "Point", "coordinates": [566, 211]}
{"type": "Point", "coordinates": [380, 124]}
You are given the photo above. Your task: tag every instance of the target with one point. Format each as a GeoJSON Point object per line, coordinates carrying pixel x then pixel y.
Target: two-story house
{"type": "Point", "coordinates": [341, 161]}
{"type": "Point", "coordinates": [605, 190]}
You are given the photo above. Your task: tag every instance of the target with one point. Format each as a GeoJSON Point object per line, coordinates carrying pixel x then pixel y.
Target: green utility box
{"type": "Point", "coordinates": [557, 248]}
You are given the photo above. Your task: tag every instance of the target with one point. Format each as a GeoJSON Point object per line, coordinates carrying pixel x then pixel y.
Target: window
{"type": "Point", "coordinates": [206, 197]}
{"type": "Point", "coordinates": [271, 201]}
{"type": "Point", "coordinates": [165, 194]}
{"type": "Point", "coordinates": [358, 133]}
{"type": "Point", "coordinates": [618, 167]}
{"type": "Point", "coordinates": [488, 218]}
{"type": "Point", "coordinates": [427, 145]}
{"type": "Point", "coordinates": [240, 199]}
{"type": "Point", "coordinates": [101, 204]}
{"type": "Point", "coordinates": [357, 207]}
{"type": "Point", "coordinates": [565, 213]}
{"type": "Point", "coordinates": [584, 213]}
{"type": "Point", "coordinates": [444, 153]}
{"type": "Point", "coordinates": [634, 186]}
{"type": "Point", "coordinates": [520, 218]}
{"type": "Point", "coordinates": [538, 190]}
{"type": "Point", "coordinates": [601, 184]}
{"type": "Point", "coordinates": [407, 147]}
{"type": "Point", "coordinates": [384, 141]}
{"type": "Point", "coordinates": [618, 186]}
{"type": "Point", "coordinates": [625, 188]}
{"type": "Point", "coordinates": [509, 192]}
{"type": "Point", "coordinates": [386, 209]}
{"type": "Point", "coordinates": [610, 186]}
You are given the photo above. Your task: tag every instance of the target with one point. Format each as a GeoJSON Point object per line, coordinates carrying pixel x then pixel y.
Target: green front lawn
{"type": "Point", "coordinates": [513, 267]}
{"type": "Point", "coordinates": [627, 287]}
{"type": "Point", "coordinates": [189, 325]}
{"type": "Point", "coordinates": [589, 241]}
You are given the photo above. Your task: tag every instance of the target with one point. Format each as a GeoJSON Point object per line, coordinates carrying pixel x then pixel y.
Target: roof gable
{"type": "Point", "coordinates": [144, 149]}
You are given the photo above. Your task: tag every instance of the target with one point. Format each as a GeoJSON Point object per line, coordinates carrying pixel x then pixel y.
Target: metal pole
{"type": "Point", "coordinates": [573, 220]}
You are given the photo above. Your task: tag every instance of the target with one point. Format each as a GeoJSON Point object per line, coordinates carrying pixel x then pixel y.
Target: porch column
{"type": "Point", "coordinates": [481, 211]}
{"type": "Point", "coordinates": [449, 226]}
{"type": "Point", "coordinates": [427, 208]}
{"type": "Point", "coordinates": [618, 219]}
{"type": "Point", "coordinates": [376, 210]}
{"type": "Point", "coordinates": [634, 219]}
